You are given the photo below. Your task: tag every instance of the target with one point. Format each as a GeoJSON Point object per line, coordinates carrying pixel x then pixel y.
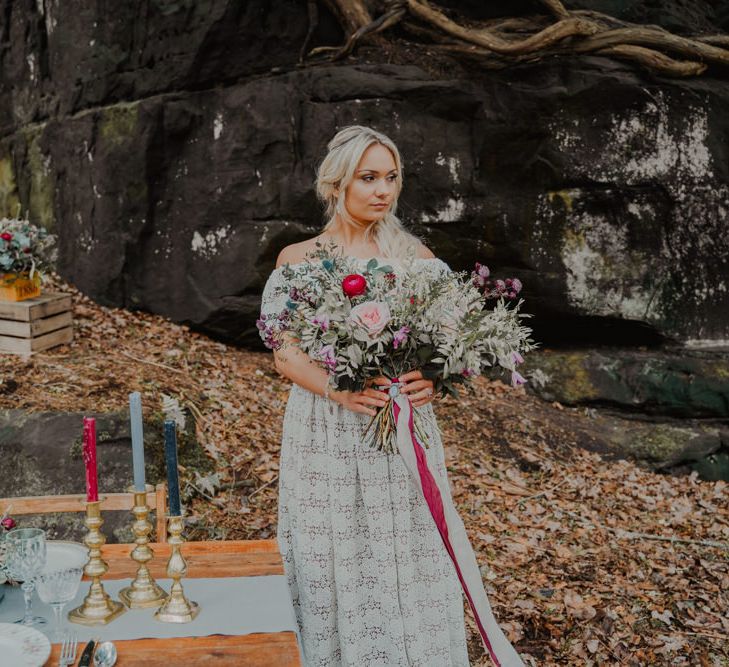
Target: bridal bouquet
{"type": "Point", "coordinates": [358, 324]}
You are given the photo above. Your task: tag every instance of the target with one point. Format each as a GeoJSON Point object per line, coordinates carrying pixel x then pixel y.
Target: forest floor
{"type": "Point", "coordinates": [587, 560]}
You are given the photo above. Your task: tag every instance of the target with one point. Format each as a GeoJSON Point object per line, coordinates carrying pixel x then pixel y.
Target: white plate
{"type": "Point", "coordinates": [62, 555]}
{"type": "Point", "coordinates": [21, 646]}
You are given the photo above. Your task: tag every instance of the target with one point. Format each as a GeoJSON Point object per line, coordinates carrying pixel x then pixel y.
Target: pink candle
{"type": "Point", "coordinates": [89, 450]}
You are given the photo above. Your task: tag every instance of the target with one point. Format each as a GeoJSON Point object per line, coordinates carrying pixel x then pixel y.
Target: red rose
{"type": "Point", "coordinates": [6, 236]}
{"type": "Point", "coordinates": [8, 523]}
{"type": "Point", "coordinates": [354, 285]}
{"type": "Point", "coordinates": [27, 250]}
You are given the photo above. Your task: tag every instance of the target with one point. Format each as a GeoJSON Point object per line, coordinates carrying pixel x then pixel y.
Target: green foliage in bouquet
{"type": "Point", "coordinates": [378, 321]}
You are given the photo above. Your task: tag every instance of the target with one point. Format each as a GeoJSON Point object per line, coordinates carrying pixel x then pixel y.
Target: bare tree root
{"type": "Point", "coordinates": [654, 60]}
{"type": "Point", "coordinates": [556, 8]}
{"type": "Point", "coordinates": [313, 13]}
{"type": "Point", "coordinates": [655, 38]}
{"type": "Point", "coordinates": [351, 14]}
{"type": "Point", "coordinates": [489, 40]}
{"type": "Point", "coordinates": [392, 16]}
{"type": "Point", "coordinates": [506, 41]}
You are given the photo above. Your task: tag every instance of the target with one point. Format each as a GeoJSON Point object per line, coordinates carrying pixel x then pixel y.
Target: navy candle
{"type": "Point", "coordinates": [173, 484]}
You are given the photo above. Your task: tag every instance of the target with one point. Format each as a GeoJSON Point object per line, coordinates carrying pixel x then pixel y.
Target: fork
{"type": "Point", "coordinates": [68, 650]}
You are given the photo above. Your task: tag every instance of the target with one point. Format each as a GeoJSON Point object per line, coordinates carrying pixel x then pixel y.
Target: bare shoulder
{"type": "Point", "coordinates": [423, 252]}
{"type": "Point", "coordinates": [296, 252]}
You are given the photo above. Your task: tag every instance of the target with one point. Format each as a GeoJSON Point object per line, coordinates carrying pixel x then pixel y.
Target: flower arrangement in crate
{"type": "Point", "coordinates": [25, 251]}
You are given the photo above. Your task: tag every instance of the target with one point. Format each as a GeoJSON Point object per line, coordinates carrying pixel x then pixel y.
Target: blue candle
{"type": "Point", "coordinates": [173, 484]}
{"type": "Point", "coordinates": [135, 415]}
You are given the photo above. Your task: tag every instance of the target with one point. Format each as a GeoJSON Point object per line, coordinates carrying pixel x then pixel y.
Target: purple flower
{"type": "Point", "coordinates": [480, 274]}
{"type": "Point", "coordinates": [468, 372]}
{"type": "Point", "coordinates": [518, 359]}
{"type": "Point", "coordinates": [482, 270]}
{"type": "Point", "coordinates": [302, 296]}
{"type": "Point", "coordinates": [401, 335]}
{"type": "Point", "coordinates": [328, 356]}
{"type": "Point", "coordinates": [270, 328]}
{"type": "Point", "coordinates": [321, 321]}
{"type": "Point", "coordinates": [517, 379]}
{"type": "Point", "coordinates": [8, 523]}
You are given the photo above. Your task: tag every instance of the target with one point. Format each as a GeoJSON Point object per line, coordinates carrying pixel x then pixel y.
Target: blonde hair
{"type": "Point", "coordinates": [336, 172]}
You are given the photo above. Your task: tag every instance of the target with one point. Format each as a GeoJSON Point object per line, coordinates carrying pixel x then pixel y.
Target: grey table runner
{"type": "Point", "coordinates": [228, 606]}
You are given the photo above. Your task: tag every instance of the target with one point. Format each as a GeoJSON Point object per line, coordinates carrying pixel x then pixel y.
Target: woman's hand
{"type": "Point", "coordinates": [366, 401]}
{"type": "Point", "coordinates": [417, 388]}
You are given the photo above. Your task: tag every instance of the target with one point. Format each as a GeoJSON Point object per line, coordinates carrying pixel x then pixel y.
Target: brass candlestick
{"type": "Point", "coordinates": [177, 608]}
{"type": "Point", "coordinates": [97, 608]}
{"type": "Point", "coordinates": [144, 590]}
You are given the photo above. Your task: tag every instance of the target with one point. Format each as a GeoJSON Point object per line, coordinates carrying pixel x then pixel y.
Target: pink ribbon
{"type": "Point", "coordinates": [453, 534]}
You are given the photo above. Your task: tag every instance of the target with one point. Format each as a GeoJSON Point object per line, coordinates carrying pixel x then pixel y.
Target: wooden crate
{"type": "Point", "coordinates": [33, 325]}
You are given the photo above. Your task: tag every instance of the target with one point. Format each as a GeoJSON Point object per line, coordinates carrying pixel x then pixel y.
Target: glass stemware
{"type": "Point", "coordinates": [57, 588]}
{"type": "Point", "coordinates": [24, 559]}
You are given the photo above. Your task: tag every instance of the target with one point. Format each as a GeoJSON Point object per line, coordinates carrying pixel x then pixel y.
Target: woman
{"type": "Point", "coordinates": [370, 579]}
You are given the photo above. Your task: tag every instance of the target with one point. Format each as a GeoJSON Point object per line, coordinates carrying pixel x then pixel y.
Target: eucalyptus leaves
{"type": "Point", "coordinates": [363, 322]}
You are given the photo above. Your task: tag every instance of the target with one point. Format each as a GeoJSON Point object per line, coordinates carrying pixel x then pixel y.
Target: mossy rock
{"type": "Point", "coordinates": [677, 383]}
{"type": "Point", "coordinates": [46, 454]}
{"type": "Point", "coordinates": [118, 124]}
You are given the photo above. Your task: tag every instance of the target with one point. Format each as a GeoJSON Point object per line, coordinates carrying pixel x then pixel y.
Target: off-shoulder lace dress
{"type": "Point", "coordinates": [370, 579]}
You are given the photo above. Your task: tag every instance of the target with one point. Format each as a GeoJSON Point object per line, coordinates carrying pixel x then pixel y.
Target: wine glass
{"type": "Point", "coordinates": [57, 588]}
{"type": "Point", "coordinates": [24, 559]}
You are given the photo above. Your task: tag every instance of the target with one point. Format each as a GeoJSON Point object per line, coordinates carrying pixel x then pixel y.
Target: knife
{"type": "Point", "coordinates": [87, 654]}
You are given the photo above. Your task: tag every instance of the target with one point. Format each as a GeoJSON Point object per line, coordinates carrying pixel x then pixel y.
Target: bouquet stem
{"type": "Point", "coordinates": [385, 431]}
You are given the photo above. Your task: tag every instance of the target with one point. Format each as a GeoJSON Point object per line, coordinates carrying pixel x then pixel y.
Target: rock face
{"type": "Point", "coordinates": [679, 384]}
{"type": "Point", "coordinates": [175, 155]}
{"type": "Point", "coordinates": [173, 145]}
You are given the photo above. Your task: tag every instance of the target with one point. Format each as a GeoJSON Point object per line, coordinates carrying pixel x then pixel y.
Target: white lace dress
{"type": "Point", "coordinates": [370, 580]}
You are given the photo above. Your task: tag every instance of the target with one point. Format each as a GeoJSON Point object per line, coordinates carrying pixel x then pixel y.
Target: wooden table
{"type": "Point", "coordinates": [204, 559]}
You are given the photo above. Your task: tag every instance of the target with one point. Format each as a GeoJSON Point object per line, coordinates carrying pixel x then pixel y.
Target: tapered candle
{"type": "Point", "coordinates": [173, 483]}
{"type": "Point", "coordinates": [135, 416]}
{"type": "Point", "coordinates": [89, 453]}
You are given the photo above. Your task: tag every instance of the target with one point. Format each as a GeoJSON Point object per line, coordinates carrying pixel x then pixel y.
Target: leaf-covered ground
{"type": "Point", "coordinates": [587, 561]}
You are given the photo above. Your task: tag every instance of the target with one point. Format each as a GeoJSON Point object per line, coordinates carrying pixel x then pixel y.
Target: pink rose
{"type": "Point", "coordinates": [8, 523]}
{"type": "Point", "coordinates": [372, 316]}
